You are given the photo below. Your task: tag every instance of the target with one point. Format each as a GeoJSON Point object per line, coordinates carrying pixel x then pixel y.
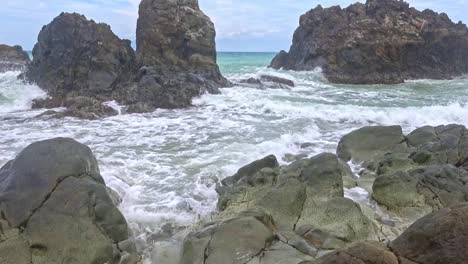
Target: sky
{"type": "Point", "coordinates": [241, 25]}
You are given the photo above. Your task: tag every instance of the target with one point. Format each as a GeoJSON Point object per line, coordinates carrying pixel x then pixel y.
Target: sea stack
{"type": "Point", "coordinates": [380, 42]}
{"type": "Point", "coordinates": [13, 58]}
{"type": "Point", "coordinates": [81, 63]}
{"type": "Point", "coordinates": [177, 53]}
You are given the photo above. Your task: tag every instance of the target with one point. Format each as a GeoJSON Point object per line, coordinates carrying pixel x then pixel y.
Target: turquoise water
{"type": "Point", "coordinates": [232, 63]}
{"type": "Point", "coordinates": [165, 164]}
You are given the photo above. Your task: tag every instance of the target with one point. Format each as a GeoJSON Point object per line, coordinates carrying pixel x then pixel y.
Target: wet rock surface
{"type": "Point", "coordinates": [298, 213]}
{"type": "Point", "coordinates": [379, 42]}
{"type": "Point", "coordinates": [55, 208]}
{"type": "Point", "coordinates": [13, 58]}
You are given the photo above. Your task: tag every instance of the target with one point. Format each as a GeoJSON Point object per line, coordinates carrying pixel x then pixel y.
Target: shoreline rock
{"type": "Point", "coordinates": [379, 42]}
{"type": "Point", "coordinates": [56, 208]}
{"type": "Point", "coordinates": [78, 60]}
{"type": "Point", "coordinates": [13, 58]}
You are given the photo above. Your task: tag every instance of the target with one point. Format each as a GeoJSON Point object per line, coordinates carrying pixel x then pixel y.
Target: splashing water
{"type": "Point", "coordinates": [165, 164]}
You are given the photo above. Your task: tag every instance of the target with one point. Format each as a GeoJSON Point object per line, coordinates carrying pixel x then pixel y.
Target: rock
{"type": "Point", "coordinates": [79, 106]}
{"type": "Point", "coordinates": [252, 80]}
{"type": "Point", "coordinates": [437, 238]}
{"type": "Point", "coordinates": [175, 61]}
{"type": "Point", "coordinates": [13, 58]}
{"type": "Point", "coordinates": [176, 47]}
{"type": "Point", "coordinates": [424, 189]}
{"type": "Point", "coordinates": [248, 172]}
{"type": "Point", "coordinates": [360, 253]}
{"type": "Point", "coordinates": [236, 240]}
{"type": "Point", "coordinates": [305, 200]}
{"type": "Point", "coordinates": [382, 41]}
{"type": "Point", "coordinates": [56, 208]}
{"type": "Point", "coordinates": [363, 144]}
{"type": "Point", "coordinates": [78, 57]}
{"type": "Point", "coordinates": [277, 80]}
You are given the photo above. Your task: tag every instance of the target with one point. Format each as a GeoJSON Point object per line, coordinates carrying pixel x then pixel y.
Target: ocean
{"type": "Point", "coordinates": [166, 164]}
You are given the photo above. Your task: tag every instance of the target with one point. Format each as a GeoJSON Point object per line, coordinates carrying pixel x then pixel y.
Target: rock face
{"type": "Point", "coordinates": [288, 214]}
{"type": "Point", "coordinates": [177, 52]}
{"type": "Point", "coordinates": [382, 41]}
{"type": "Point", "coordinates": [13, 58]}
{"type": "Point", "coordinates": [298, 213]}
{"type": "Point", "coordinates": [175, 61]}
{"type": "Point", "coordinates": [56, 208]}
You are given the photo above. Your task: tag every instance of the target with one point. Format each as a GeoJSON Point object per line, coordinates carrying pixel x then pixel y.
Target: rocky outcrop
{"type": "Point", "coordinates": [411, 175]}
{"type": "Point", "coordinates": [175, 61]}
{"type": "Point", "coordinates": [382, 41]}
{"type": "Point", "coordinates": [13, 58]}
{"type": "Point", "coordinates": [437, 238]}
{"type": "Point", "coordinates": [268, 81]}
{"type": "Point", "coordinates": [78, 57]}
{"type": "Point", "coordinates": [177, 52]}
{"type": "Point", "coordinates": [56, 208]}
{"type": "Point", "coordinates": [300, 213]}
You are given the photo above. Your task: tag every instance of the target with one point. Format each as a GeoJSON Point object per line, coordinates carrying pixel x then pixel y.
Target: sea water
{"type": "Point", "coordinates": [166, 164]}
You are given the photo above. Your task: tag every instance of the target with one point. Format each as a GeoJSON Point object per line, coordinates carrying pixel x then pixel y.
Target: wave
{"type": "Point", "coordinates": [15, 95]}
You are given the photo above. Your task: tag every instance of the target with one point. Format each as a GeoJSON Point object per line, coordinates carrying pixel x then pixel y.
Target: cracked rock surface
{"type": "Point", "coordinates": [297, 213]}
{"type": "Point", "coordinates": [55, 208]}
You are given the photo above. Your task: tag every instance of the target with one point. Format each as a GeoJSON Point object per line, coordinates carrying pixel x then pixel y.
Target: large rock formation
{"type": "Point", "coordinates": [56, 208]}
{"type": "Point", "coordinates": [78, 60]}
{"type": "Point", "coordinates": [382, 41]}
{"type": "Point", "coordinates": [78, 57]}
{"type": "Point", "coordinates": [13, 58]}
{"type": "Point", "coordinates": [177, 51]}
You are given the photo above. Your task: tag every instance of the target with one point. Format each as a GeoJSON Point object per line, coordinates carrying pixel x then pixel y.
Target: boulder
{"type": "Point", "coordinates": [379, 42]}
{"type": "Point", "coordinates": [13, 58]}
{"type": "Point", "coordinates": [56, 208]}
{"type": "Point", "coordinates": [237, 240]}
{"type": "Point", "coordinates": [440, 237]}
{"type": "Point", "coordinates": [79, 57]}
{"type": "Point", "coordinates": [277, 80]}
{"type": "Point", "coordinates": [365, 143]}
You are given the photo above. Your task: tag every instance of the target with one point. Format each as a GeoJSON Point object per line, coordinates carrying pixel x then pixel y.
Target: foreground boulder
{"type": "Point", "coordinates": [13, 58]}
{"type": "Point", "coordinates": [437, 238]}
{"type": "Point", "coordinates": [299, 212]}
{"type": "Point", "coordinates": [382, 41]}
{"type": "Point", "coordinates": [56, 208]}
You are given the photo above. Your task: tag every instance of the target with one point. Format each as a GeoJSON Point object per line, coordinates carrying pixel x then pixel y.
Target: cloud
{"type": "Point", "coordinates": [241, 24]}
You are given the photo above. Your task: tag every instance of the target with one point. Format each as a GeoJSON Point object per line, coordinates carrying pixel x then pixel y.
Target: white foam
{"type": "Point", "coordinates": [15, 95]}
{"type": "Point", "coordinates": [165, 164]}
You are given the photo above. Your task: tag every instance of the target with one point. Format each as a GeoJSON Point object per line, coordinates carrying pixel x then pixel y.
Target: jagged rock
{"type": "Point", "coordinates": [382, 41]}
{"type": "Point", "coordinates": [13, 58]}
{"type": "Point", "coordinates": [176, 47]}
{"type": "Point", "coordinates": [79, 106]}
{"type": "Point", "coordinates": [305, 200]}
{"type": "Point", "coordinates": [78, 57]}
{"type": "Point", "coordinates": [365, 143]}
{"type": "Point", "coordinates": [55, 208]}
